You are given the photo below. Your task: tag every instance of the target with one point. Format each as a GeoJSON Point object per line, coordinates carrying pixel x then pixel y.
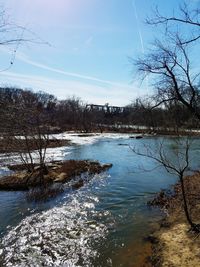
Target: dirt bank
{"type": "Point", "coordinates": [176, 245]}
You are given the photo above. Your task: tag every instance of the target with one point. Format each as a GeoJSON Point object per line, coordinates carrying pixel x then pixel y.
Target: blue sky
{"type": "Point", "coordinates": [90, 42]}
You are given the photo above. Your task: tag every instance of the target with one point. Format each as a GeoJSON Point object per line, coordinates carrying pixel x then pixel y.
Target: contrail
{"type": "Point", "coordinates": [140, 36]}
{"type": "Point", "coordinates": [138, 26]}
{"type": "Point", "coordinates": [22, 57]}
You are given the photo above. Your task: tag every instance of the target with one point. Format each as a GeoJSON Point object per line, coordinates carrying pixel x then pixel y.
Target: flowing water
{"type": "Point", "coordinates": [101, 224]}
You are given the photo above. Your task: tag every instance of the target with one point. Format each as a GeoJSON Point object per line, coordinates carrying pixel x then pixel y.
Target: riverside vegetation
{"type": "Point", "coordinates": [34, 132]}
{"type": "Point", "coordinates": [28, 119]}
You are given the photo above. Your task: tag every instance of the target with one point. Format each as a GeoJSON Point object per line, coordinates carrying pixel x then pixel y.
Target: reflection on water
{"type": "Point", "coordinates": [62, 236]}
{"type": "Point", "coordinates": [102, 224]}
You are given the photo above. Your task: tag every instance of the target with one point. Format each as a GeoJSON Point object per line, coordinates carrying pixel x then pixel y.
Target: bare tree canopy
{"type": "Point", "coordinates": [169, 62]}
{"type": "Point", "coordinates": [174, 78]}
{"type": "Point", "coordinates": [187, 16]}
{"type": "Point", "coordinates": [13, 35]}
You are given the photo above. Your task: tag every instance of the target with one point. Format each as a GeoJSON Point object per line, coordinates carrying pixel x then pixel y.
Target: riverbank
{"type": "Point", "coordinates": [10, 145]}
{"type": "Point", "coordinates": [118, 201]}
{"type": "Point", "coordinates": [174, 245]}
{"type": "Point", "coordinates": [62, 143]}
{"type": "Point", "coordinates": [68, 138]}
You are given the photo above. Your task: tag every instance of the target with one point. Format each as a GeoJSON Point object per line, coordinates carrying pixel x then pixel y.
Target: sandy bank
{"type": "Point", "coordinates": [176, 245]}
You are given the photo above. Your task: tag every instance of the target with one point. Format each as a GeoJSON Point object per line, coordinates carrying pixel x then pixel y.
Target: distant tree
{"type": "Point", "coordinates": [12, 36]}
{"type": "Point", "coordinates": [27, 126]}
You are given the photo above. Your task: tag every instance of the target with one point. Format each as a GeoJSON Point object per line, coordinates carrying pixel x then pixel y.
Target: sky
{"type": "Point", "coordinates": [80, 48]}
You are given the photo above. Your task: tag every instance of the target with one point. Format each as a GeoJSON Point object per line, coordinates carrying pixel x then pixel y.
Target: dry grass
{"type": "Point", "coordinates": [76, 167]}
{"type": "Point", "coordinates": [172, 201]}
{"type": "Point", "coordinates": [177, 245]}
{"type": "Point", "coordinates": [58, 172]}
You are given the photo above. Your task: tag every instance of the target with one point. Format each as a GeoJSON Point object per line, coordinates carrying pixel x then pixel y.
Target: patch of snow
{"type": "Point", "coordinates": [83, 139]}
{"type": "Point", "coordinates": [59, 153]}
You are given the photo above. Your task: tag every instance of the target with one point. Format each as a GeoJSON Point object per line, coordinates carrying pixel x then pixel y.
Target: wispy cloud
{"type": "Point", "coordinates": [108, 29]}
{"type": "Point", "coordinates": [24, 58]}
{"type": "Point", "coordinates": [64, 88]}
{"type": "Point", "coordinates": [89, 88]}
{"type": "Point", "coordinates": [89, 41]}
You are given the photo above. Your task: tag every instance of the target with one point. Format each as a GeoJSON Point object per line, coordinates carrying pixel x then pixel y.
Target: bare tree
{"type": "Point", "coordinates": [13, 35]}
{"type": "Point", "coordinates": [186, 16]}
{"type": "Point", "coordinates": [169, 62]}
{"type": "Point", "coordinates": [28, 119]}
{"type": "Point", "coordinates": [176, 161]}
{"type": "Point", "coordinates": [174, 78]}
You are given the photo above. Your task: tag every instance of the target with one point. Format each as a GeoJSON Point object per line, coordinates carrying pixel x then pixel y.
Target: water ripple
{"type": "Point", "coordinates": [63, 236]}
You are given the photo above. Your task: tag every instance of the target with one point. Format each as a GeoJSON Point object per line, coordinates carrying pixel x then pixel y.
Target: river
{"type": "Point", "coordinates": [101, 224]}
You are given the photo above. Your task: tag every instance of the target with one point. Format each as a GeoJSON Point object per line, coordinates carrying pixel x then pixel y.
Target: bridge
{"type": "Point", "coordinates": [106, 108]}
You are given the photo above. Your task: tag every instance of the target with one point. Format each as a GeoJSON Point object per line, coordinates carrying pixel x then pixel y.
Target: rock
{"type": "Point", "coordinates": [107, 166]}
{"type": "Point", "coordinates": [36, 168]}
{"type": "Point", "coordinates": [122, 144]}
{"type": "Point", "coordinates": [138, 137]}
{"type": "Point", "coordinates": [60, 177]}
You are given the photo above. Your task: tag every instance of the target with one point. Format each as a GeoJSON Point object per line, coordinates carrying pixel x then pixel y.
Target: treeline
{"type": "Point", "coordinates": [28, 111]}
{"type": "Point", "coordinates": [170, 115]}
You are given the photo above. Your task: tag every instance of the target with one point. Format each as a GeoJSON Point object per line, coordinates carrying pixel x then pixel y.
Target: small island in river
{"type": "Point", "coordinates": [56, 172]}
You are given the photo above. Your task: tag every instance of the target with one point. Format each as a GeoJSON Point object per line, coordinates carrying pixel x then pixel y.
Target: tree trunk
{"type": "Point", "coordinates": [185, 205]}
